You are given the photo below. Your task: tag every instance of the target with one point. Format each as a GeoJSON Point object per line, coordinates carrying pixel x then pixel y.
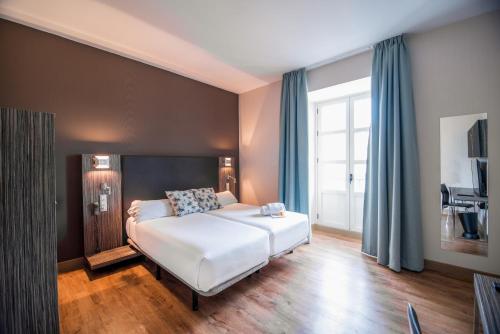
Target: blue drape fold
{"type": "Point", "coordinates": [392, 226]}
{"type": "Point", "coordinates": [293, 159]}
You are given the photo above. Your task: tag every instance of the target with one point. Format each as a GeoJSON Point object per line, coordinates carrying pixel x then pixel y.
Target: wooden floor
{"type": "Point", "coordinates": [324, 287]}
{"type": "Point", "coordinates": [457, 243]}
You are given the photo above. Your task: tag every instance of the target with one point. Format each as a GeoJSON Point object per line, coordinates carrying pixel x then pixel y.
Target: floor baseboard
{"type": "Point", "coordinates": [70, 265]}
{"type": "Point", "coordinates": [336, 231]}
{"type": "Point", "coordinates": [452, 271]}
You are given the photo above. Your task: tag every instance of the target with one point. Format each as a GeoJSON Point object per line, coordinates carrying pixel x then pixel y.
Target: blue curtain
{"type": "Point", "coordinates": [293, 163]}
{"type": "Point", "coordinates": [392, 227]}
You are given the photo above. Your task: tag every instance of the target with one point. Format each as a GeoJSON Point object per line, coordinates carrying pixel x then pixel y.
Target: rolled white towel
{"type": "Point", "coordinates": [273, 209]}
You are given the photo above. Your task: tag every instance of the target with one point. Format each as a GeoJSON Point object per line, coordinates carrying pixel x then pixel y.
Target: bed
{"type": "Point", "coordinates": [285, 234]}
{"type": "Point", "coordinates": [194, 248]}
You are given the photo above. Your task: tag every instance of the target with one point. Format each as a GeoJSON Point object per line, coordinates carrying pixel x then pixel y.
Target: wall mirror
{"type": "Point", "coordinates": [464, 184]}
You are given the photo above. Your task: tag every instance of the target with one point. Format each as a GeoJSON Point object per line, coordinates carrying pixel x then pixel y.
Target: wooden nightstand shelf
{"type": "Point", "coordinates": [111, 256]}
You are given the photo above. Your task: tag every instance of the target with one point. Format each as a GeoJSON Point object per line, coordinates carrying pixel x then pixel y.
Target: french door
{"type": "Point", "coordinates": [343, 127]}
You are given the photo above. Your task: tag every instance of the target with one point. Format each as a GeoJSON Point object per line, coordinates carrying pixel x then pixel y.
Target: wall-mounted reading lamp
{"type": "Point", "coordinates": [100, 161]}
{"type": "Point", "coordinates": [227, 162]}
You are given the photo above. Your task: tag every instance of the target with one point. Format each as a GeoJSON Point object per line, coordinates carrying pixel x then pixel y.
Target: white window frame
{"type": "Point", "coordinates": [349, 99]}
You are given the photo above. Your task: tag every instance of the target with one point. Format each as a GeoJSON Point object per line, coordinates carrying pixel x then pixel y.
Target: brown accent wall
{"type": "Point", "coordinates": [107, 103]}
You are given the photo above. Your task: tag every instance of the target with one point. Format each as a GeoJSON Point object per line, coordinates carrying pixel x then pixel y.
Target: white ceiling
{"type": "Point", "coordinates": [237, 45]}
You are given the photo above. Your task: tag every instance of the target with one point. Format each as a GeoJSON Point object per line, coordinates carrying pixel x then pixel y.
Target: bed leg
{"type": "Point", "coordinates": [194, 301]}
{"type": "Point", "coordinates": [158, 272]}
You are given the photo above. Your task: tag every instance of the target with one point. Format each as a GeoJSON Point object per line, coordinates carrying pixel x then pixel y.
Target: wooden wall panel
{"type": "Point", "coordinates": [104, 231]}
{"type": "Point", "coordinates": [28, 269]}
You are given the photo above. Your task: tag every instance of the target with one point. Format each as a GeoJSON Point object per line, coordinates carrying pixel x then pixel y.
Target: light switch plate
{"type": "Point", "coordinates": [103, 203]}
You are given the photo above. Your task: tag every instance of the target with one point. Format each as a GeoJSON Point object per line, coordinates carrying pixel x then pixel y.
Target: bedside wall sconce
{"type": "Point", "coordinates": [226, 165]}
{"type": "Point", "coordinates": [229, 178]}
{"type": "Point", "coordinates": [100, 161]}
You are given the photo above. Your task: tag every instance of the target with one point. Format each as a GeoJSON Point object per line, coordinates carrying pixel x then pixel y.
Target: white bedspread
{"type": "Point", "coordinates": [203, 250]}
{"type": "Point", "coordinates": [284, 232]}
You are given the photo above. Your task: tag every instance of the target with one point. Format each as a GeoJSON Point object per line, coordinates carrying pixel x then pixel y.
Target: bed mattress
{"type": "Point", "coordinates": [202, 250]}
{"type": "Point", "coordinates": [284, 233]}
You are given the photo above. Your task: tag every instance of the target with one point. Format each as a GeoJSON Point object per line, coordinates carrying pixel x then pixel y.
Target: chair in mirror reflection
{"type": "Point", "coordinates": [464, 191]}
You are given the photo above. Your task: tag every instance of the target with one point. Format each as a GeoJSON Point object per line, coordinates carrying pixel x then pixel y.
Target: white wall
{"type": "Point", "coordinates": [456, 71]}
{"type": "Point", "coordinates": [455, 162]}
{"type": "Point", "coordinates": [259, 144]}
{"type": "Point", "coordinates": [345, 70]}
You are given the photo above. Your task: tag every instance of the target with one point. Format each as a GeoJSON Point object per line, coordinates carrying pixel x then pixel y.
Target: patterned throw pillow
{"type": "Point", "coordinates": [183, 202]}
{"type": "Point", "coordinates": [207, 200]}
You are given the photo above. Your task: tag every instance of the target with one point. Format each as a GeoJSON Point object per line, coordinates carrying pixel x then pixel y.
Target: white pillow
{"type": "Point", "coordinates": [144, 210]}
{"type": "Point", "coordinates": [226, 198]}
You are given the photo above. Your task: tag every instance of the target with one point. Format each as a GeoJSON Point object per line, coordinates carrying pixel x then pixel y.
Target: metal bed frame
{"type": "Point", "coordinates": [215, 290]}
{"type": "Point", "coordinates": [194, 291]}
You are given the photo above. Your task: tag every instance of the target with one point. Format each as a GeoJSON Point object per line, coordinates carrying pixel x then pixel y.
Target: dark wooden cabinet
{"type": "Point", "coordinates": [486, 304]}
{"type": "Point", "coordinates": [28, 262]}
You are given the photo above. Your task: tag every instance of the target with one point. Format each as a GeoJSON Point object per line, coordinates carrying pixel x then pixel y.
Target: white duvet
{"type": "Point", "coordinates": [284, 233]}
{"type": "Point", "coordinates": [202, 250]}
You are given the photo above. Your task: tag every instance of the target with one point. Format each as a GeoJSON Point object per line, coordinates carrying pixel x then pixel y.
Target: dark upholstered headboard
{"type": "Point", "coordinates": [147, 177]}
